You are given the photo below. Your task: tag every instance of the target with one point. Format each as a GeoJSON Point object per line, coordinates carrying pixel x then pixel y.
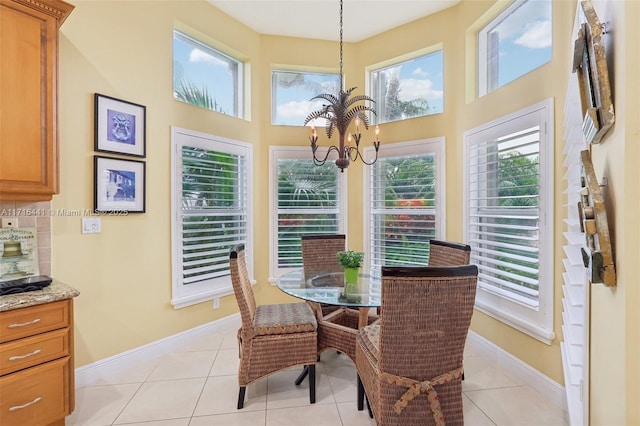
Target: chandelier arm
{"type": "Point", "coordinates": [376, 146]}
{"type": "Point", "coordinates": [320, 161]}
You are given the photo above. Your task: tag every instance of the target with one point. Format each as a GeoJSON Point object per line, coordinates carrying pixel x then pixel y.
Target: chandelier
{"type": "Point", "coordinates": [340, 111]}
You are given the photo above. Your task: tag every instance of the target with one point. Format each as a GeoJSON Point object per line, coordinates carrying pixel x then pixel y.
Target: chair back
{"type": "Point", "coordinates": [242, 285]}
{"type": "Point", "coordinates": [319, 253]}
{"type": "Point", "coordinates": [448, 253]}
{"type": "Point", "coordinates": [426, 314]}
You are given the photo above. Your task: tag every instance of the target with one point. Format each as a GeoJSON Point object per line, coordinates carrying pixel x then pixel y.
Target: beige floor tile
{"type": "Point", "coordinates": [206, 343]}
{"type": "Point", "coordinates": [350, 415]}
{"type": "Point", "coordinates": [220, 396]}
{"type": "Point", "coordinates": [172, 422]}
{"type": "Point", "coordinates": [135, 373]}
{"type": "Point", "coordinates": [282, 391]}
{"type": "Point", "coordinates": [100, 405]}
{"type": "Point", "coordinates": [229, 340]}
{"type": "Point", "coordinates": [163, 400]}
{"type": "Point", "coordinates": [311, 415]}
{"type": "Point", "coordinates": [226, 363]}
{"type": "Point", "coordinates": [344, 383]}
{"type": "Point", "coordinates": [518, 405]}
{"type": "Point", "coordinates": [183, 365]}
{"type": "Point", "coordinates": [473, 416]}
{"type": "Point", "coordinates": [481, 374]}
{"type": "Point", "coordinates": [243, 418]}
{"type": "Point", "coordinates": [472, 351]}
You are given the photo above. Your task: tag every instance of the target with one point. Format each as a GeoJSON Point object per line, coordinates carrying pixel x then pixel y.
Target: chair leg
{"type": "Point", "coordinates": [360, 394]}
{"type": "Point", "coordinates": [368, 406]}
{"type": "Point", "coordinates": [305, 371]}
{"type": "Point", "coordinates": [241, 397]}
{"type": "Point", "coordinates": [312, 383]}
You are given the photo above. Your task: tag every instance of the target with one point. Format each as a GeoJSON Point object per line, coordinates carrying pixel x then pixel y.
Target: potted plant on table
{"type": "Point", "coordinates": [351, 261]}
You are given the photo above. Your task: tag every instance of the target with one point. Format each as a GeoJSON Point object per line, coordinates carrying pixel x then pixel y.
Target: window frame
{"type": "Point", "coordinates": [207, 47]}
{"type": "Point", "coordinates": [274, 105]}
{"type": "Point", "coordinates": [390, 63]}
{"type": "Point", "coordinates": [288, 152]}
{"type": "Point", "coordinates": [485, 57]}
{"type": "Point", "coordinates": [537, 323]}
{"type": "Point", "coordinates": [422, 146]}
{"type": "Point", "coordinates": [186, 295]}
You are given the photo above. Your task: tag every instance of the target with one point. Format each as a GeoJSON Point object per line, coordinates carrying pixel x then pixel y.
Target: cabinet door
{"type": "Point", "coordinates": [28, 80]}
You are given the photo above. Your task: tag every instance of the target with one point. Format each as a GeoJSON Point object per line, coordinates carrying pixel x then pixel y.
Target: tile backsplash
{"type": "Point", "coordinates": [33, 215]}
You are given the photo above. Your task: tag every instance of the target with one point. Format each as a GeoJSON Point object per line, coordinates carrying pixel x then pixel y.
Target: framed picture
{"type": "Point", "coordinates": [119, 185]}
{"type": "Point", "coordinates": [120, 126]}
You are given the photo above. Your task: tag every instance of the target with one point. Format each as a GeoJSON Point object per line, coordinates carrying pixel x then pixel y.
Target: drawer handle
{"type": "Point", "coordinates": [17, 407]}
{"type": "Point", "coordinates": [17, 357]}
{"type": "Point", "coordinates": [24, 323]}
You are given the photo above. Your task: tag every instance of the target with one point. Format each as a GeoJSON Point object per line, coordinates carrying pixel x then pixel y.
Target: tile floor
{"type": "Point", "coordinates": [198, 387]}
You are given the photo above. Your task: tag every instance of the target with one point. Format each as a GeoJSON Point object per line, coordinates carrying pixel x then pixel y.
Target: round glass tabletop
{"type": "Point", "coordinates": [329, 288]}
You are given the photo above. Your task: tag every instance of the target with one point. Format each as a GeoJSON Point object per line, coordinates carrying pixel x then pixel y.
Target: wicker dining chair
{"type": "Point", "coordinates": [319, 257]}
{"type": "Point", "coordinates": [272, 337]}
{"type": "Point", "coordinates": [417, 346]}
{"type": "Point", "coordinates": [448, 253]}
{"type": "Point", "coordinates": [337, 326]}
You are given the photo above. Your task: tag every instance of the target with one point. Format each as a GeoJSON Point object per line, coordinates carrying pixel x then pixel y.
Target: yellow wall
{"type": "Point", "coordinates": [615, 335]}
{"type": "Point", "coordinates": [123, 49]}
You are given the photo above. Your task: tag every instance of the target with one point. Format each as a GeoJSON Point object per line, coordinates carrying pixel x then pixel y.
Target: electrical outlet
{"type": "Point", "coordinates": [216, 303]}
{"type": "Point", "coordinates": [9, 222]}
{"type": "Point", "coordinates": [91, 225]}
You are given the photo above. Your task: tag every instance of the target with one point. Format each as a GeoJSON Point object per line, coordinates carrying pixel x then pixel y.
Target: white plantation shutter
{"type": "Point", "coordinates": [214, 192]}
{"type": "Point", "coordinates": [504, 214]}
{"type": "Point", "coordinates": [210, 196]}
{"type": "Point", "coordinates": [308, 203]}
{"type": "Point", "coordinates": [304, 199]}
{"type": "Point", "coordinates": [508, 212]}
{"type": "Point", "coordinates": [404, 202]}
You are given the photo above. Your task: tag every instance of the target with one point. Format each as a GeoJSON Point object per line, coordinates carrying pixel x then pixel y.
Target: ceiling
{"type": "Point", "coordinates": [319, 19]}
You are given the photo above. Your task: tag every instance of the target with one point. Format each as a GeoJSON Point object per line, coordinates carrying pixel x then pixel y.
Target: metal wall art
{"type": "Point", "coordinates": [590, 63]}
{"type": "Point", "coordinates": [597, 254]}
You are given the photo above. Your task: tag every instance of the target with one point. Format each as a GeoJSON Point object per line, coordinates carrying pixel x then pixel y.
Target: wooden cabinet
{"type": "Point", "coordinates": [28, 98]}
{"type": "Point", "coordinates": [36, 364]}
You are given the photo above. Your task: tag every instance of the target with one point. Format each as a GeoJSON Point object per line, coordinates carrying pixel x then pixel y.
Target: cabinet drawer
{"type": "Point", "coordinates": [30, 351]}
{"type": "Point", "coordinates": [24, 322]}
{"type": "Point", "coordinates": [36, 396]}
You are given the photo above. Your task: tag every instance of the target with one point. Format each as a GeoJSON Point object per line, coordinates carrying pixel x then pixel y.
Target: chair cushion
{"type": "Point", "coordinates": [370, 336]}
{"type": "Point", "coordinates": [284, 318]}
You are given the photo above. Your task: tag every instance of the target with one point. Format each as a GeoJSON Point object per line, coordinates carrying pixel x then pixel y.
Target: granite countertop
{"type": "Point", "coordinates": [51, 293]}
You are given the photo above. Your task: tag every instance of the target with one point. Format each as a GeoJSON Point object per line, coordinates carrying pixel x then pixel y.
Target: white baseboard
{"type": "Point", "coordinates": [90, 373]}
{"type": "Point", "coordinates": [529, 375]}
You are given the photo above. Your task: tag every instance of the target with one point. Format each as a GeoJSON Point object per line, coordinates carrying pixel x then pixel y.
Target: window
{"type": "Point", "coordinates": [412, 88]}
{"type": "Point", "coordinates": [206, 77]}
{"type": "Point", "coordinates": [509, 217]}
{"type": "Point", "coordinates": [210, 198]}
{"type": "Point", "coordinates": [404, 202]}
{"type": "Point", "coordinates": [515, 42]}
{"type": "Point", "coordinates": [291, 92]}
{"type": "Point", "coordinates": [304, 199]}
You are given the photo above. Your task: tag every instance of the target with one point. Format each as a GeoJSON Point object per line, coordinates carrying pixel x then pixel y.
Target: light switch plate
{"type": "Point", "coordinates": [91, 225]}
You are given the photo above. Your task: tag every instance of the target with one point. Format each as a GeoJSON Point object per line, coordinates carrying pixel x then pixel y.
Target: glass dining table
{"type": "Point", "coordinates": [329, 288]}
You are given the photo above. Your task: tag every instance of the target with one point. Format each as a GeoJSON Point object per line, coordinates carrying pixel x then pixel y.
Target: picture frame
{"type": "Point", "coordinates": [120, 126]}
{"type": "Point", "coordinates": [119, 185]}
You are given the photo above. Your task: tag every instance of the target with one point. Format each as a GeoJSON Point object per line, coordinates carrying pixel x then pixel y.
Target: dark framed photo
{"type": "Point", "coordinates": [119, 185]}
{"type": "Point", "coordinates": [120, 126]}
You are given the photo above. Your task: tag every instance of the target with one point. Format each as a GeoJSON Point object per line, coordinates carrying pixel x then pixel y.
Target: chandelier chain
{"type": "Point", "coordinates": [341, 75]}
